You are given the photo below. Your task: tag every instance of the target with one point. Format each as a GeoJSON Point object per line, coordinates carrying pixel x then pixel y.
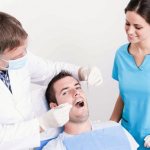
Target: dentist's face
{"type": "Point", "coordinates": [68, 90]}
{"type": "Point", "coordinates": [13, 54]}
{"type": "Point", "coordinates": [137, 29]}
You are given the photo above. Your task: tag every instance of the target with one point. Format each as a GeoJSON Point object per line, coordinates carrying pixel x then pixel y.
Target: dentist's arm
{"type": "Point", "coordinates": [117, 112]}
{"type": "Point", "coordinates": [27, 134]}
{"type": "Point", "coordinates": [20, 135]}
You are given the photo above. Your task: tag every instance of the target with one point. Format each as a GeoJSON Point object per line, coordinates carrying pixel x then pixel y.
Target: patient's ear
{"type": "Point", "coordinates": [52, 105]}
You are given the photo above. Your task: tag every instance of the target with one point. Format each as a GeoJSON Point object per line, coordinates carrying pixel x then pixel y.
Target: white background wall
{"type": "Point", "coordinates": [84, 32]}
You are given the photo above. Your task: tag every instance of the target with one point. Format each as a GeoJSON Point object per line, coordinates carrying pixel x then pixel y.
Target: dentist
{"type": "Point", "coordinates": [19, 129]}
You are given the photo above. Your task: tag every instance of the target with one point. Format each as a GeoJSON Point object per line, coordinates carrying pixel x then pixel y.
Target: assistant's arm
{"type": "Point", "coordinates": [117, 112]}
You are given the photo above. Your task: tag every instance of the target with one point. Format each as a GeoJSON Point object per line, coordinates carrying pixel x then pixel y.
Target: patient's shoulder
{"type": "Point", "coordinates": [101, 125]}
{"type": "Point", "coordinates": [55, 144]}
{"type": "Point", "coordinates": [108, 124]}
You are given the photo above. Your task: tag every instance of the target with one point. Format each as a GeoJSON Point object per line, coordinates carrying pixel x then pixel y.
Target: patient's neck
{"type": "Point", "coordinates": [77, 128]}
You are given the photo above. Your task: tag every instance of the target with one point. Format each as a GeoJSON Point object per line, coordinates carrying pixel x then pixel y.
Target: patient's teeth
{"type": "Point", "coordinates": [80, 104]}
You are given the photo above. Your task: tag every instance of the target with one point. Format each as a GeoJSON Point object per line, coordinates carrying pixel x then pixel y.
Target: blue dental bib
{"type": "Point", "coordinates": [112, 138]}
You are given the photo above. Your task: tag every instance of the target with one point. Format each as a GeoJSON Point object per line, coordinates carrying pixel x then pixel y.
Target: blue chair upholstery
{"type": "Point", "coordinates": [43, 143]}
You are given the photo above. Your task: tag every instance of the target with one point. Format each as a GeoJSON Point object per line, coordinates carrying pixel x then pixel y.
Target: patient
{"type": "Point", "coordinates": [79, 132]}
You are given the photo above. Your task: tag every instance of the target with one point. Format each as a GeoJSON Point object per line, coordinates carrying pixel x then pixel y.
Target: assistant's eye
{"type": "Point", "coordinates": [127, 24]}
{"type": "Point", "coordinates": [138, 28]}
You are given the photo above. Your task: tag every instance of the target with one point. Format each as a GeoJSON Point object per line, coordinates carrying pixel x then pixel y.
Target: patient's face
{"type": "Point", "coordinates": [68, 90]}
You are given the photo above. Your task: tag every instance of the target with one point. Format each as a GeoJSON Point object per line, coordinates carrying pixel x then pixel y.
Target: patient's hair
{"type": "Point", "coordinates": [12, 33]}
{"type": "Point", "coordinates": [50, 92]}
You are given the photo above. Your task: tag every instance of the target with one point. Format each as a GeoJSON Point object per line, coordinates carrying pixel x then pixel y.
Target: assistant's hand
{"type": "Point", "coordinates": [91, 75]}
{"type": "Point", "coordinates": [147, 141]}
{"type": "Point", "coordinates": [56, 117]}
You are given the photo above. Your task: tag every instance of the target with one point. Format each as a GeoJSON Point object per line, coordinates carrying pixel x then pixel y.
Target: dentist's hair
{"type": "Point", "coordinates": [50, 92]}
{"type": "Point", "coordinates": [141, 7]}
{"type": "Point", "coordinates": [12, 33]}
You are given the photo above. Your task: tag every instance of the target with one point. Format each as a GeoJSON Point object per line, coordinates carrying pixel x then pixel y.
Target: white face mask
{"type": "Point", "coordinates": [15, 64]}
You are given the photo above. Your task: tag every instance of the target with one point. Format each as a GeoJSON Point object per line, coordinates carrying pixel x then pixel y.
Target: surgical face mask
{"type": "Point", "coordinates": [15, 64]}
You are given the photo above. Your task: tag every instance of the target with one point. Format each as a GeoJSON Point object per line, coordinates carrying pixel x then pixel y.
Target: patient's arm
{"type": "Point", "coordinates": [117, 112]}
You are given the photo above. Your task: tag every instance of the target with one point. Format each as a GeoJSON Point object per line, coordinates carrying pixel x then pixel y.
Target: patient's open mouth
{"type": "Point", "coordinates": [79, 104]}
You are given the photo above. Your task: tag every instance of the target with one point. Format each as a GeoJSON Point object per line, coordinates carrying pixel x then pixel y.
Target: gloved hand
{"type": "Point", "coordinates": [91, 75]}
{"type": "Point", "coordinates": [56, 117]}
{"type": "Point", "coordinates": [147, 141]}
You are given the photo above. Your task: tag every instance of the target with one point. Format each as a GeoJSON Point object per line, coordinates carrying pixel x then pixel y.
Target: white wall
{"type": "Point", "coordinates": [84, 32]}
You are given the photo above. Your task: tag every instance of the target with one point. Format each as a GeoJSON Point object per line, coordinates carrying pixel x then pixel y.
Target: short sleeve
{"type": "Point", "coordinates": [115, 69]}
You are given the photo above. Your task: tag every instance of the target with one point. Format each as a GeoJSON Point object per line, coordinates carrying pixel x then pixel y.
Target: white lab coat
{"type": "Point", "coordinates": [18, 127]}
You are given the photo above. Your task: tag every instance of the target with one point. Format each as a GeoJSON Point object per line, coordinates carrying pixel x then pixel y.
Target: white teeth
{"type": "Point", "coordinates": [78, 100]}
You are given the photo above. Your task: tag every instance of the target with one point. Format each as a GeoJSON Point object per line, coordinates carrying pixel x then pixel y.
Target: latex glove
{"type": "Point", "coordinates": [56, 117]}
{"type": "Point", "coordinates": [91, 75]}
{"type": "Point", "coordinates": [147, 141]}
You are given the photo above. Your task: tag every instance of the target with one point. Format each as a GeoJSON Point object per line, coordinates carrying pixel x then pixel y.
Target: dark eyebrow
{"type": "Point", "coordinates": [64, 89]}
{"type": "Point", "coordinates": [77, 84]}
{"type": "Point", "coordinates": [138, 25]}
{"type": "Point", "coordinates": [134, 24]}
{"type": "Point", "coordinates": [127, 22]}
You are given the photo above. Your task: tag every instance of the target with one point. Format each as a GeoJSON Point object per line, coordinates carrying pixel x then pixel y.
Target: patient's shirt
{"type": "Point", "coordinates": [57, 143]}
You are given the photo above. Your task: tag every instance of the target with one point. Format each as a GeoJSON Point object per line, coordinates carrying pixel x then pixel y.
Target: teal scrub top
{"type": "Point", "coordinates": [134, 87]}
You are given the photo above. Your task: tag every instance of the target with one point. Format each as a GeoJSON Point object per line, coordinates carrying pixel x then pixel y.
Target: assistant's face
{"type": "Point", "coordinates": [137, 29]}
{"type": "Point", "coordinates": [68, 90]}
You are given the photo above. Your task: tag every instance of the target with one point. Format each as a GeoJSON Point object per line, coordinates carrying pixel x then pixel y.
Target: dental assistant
{"type": "Point", "coordinates": [19, 129]}
{"type": "Point", "coordinates": [132, 71]}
